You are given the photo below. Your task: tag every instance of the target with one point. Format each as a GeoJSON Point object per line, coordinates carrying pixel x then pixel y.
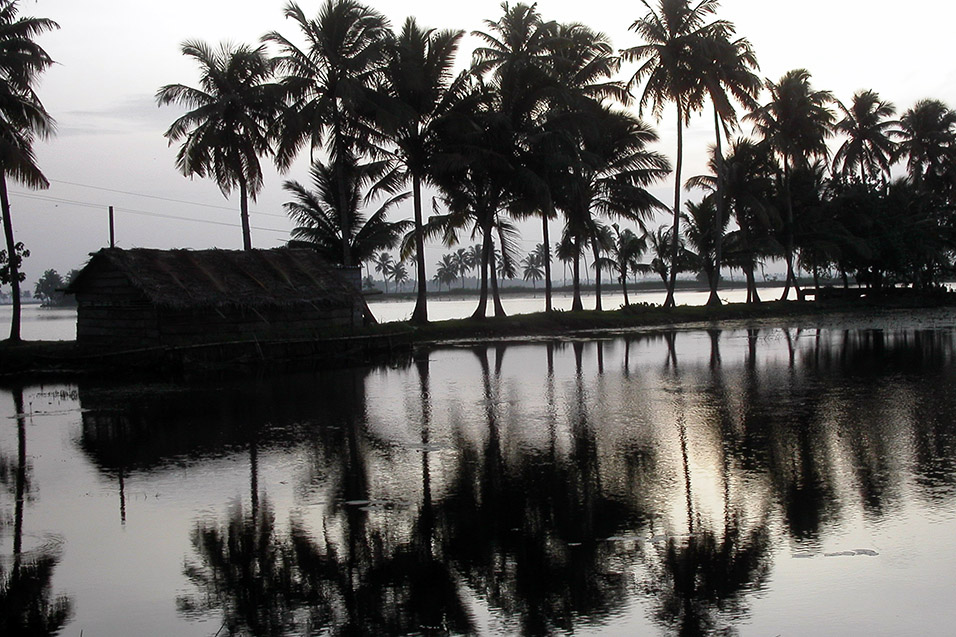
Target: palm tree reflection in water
{"type": "Point", "coordinates": [572, 529]}
{"type": "Point", "coordinates": [26, 603]}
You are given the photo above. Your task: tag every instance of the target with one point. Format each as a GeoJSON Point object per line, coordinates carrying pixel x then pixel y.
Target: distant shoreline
{"type": "Point", "coordinates": [27, 360]}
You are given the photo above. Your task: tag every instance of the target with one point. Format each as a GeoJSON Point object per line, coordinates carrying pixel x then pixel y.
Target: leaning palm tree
{"type": "Point", "coordinates": [328, 85]}
{"type": "Point", "coordinates": [796, 123]}
{"type": "Point", "coordinates": [228, 127]}
{"type": "Point", "coordinates": [319, 212]}
{"type": "Point", "coordinates": [22, 120]}
{"type": "Point", "coordinates": [869, 131]}
{"type": "Point", "coordinates": [421, 91]}
{"type": "Point", "coordinates": [928, 140]}
{"type": "Point", "coordinates": [674, 59]}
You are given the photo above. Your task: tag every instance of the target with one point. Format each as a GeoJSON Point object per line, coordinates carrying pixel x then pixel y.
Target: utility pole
{"type": "Point", "coordinates": [112, 233]}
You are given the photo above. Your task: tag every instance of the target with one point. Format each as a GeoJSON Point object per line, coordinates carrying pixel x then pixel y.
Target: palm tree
{"type": "Point", "coordinates": [749, 174]}
{"type": "Point", "coordinates": [609, 181]}
{"type": "Point", "coordinates": [728, 77]}
{"type": "Point", "coordinates": [319, 212]}
{"type": "Point", "coordinates": [420, 92]}
{"type": "Point", "coordinates": [446, 272]}
{"type": "Point", "coordinates": [928, 140]}
{"type": "Point", "coordinates": [328, 84]}
{"type": "Point", "coordinates": [228, 127]}
{"type": "Point", "coordinates": [399, 275]}
{"type": "Point", "coordinates": [532, 270]}
{"type": "Point", "coordinates": [514, 59]}
{"type": "Point", "coordinates": [464, 262]}
{"type": "Point", "coordinates": [22, 120]}
{"type": "Point", "coordinates": [385, 266]}
{"type": "Point", "coordinates": [674, 60]}
{"type": "Point", "coordinates": [869, 131]}
{"type": "Point", "coordinates": [579, 64]}
{"type": "Point", "coordinates": [796, 123]}
{"type": "Point", "coordinates": [475, 173]}
{"type": "Point", "coordinates": [701, 229]}
{"type": "Point", "coordinates": [625, 252]}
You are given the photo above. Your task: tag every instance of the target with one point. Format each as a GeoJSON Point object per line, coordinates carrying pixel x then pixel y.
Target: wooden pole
{"type": "Point", "coordinates": [112, 232]}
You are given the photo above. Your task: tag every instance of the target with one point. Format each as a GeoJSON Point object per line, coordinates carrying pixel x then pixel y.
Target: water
{"type": "Point", "coordinates": [754, 479]}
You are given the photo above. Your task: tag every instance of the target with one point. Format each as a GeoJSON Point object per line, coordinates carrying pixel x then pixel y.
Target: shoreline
{"type": "Point", "coordinates": [27, 360]}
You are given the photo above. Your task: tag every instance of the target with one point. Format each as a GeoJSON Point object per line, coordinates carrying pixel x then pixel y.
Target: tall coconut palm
{"type": "Point", "coordinates": [580, 66]}
{"type": "Point", "coordinates": [796, 123]}
{"type": "Point", "coordinates": [23, 120]}
{"type": "Point", "coordinates": [328, 84]}
{"type": "Point", "coordinates": [421, 91]}
{"type": "Point", "coordinates": [728, 77]}
{"type": "Point", "coordinates": [515, 58]}
{"type": "Point", "coordinates": [228, 127]}
{"type": "Point", "coordinates": [319, 212]}
{"type": "Point", "coordinates": [673, 63]}
{"type": "Point", "coordinates": [928, 140]}
{"type": "Point", "coordinates": [869, 130]}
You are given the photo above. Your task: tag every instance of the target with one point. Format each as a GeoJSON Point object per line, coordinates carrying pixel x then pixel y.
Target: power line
{"type": "Point", "coordinates": [133, 211]}
{"type": "Point", "coordinates": [157, 197]}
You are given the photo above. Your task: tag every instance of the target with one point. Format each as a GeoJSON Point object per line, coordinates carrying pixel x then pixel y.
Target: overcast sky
{"type": "Point", "coordinates": [112, 56]}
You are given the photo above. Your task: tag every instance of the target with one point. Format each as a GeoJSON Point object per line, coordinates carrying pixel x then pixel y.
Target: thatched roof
{"type": "Point", "coordinates": [280, 277]}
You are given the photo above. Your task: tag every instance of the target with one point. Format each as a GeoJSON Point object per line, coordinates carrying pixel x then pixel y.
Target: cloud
{"type": "Point", "coordinates": [135, 114]}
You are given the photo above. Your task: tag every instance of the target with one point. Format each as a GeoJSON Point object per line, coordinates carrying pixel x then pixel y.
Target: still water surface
{"type": "Point", "coordinates": [755, 480]}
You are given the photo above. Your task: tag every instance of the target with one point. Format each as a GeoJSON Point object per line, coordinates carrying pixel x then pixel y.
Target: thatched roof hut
{"type": "Point", "coordinates": [146, 297]}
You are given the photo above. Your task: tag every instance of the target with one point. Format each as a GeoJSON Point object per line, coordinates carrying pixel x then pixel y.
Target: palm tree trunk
{"type": "Point", "coordinates": [597, 277]}
{"type": "Point", "coordinates": [495, 297]}
{"type": "Point", "coordinates": [675, 241]}
{"type": "Point", "coordinates": [752, 296]}
{"type": "Point", "coordinates": [244, 215]}
{"type": "Point", "coordinates": [486, 248]}
{"type": "Point", "coordinates": [21, 479]}
{"type": "Point", "coordinates": [576, 304]}
{"type": "Point", "coordinates": [623, 281]}
{"type": "Point", "coordinates": [12, 265]}
{"type": "Point", "coordinates": [721, 205]}
{"type": "Point", "coordinates": [791, 277]}
{"type": "Point", "coordinates": [547, 264]}
{"type": "Point", "coordinates": [420, 314]}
